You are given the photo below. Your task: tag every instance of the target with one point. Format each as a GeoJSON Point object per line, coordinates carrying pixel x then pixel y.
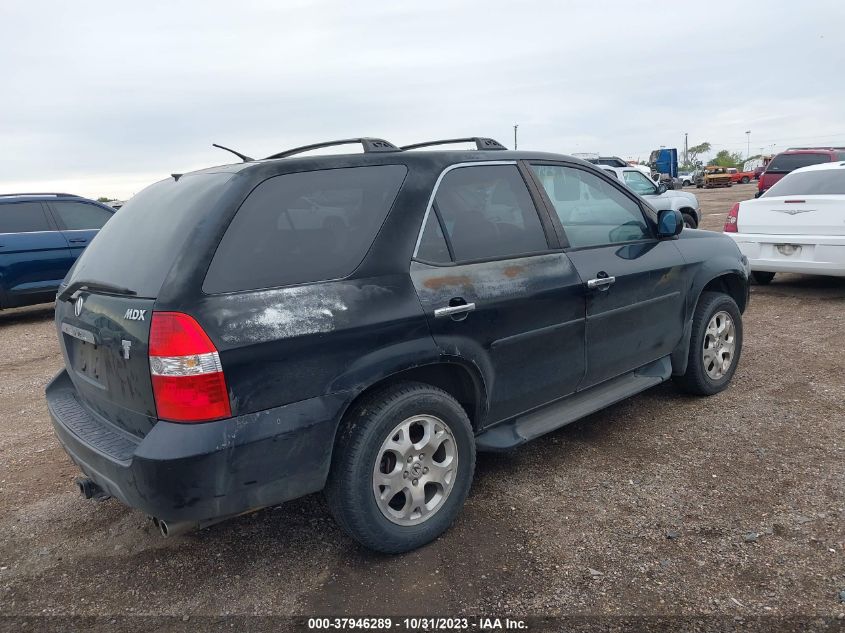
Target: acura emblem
{"type": "Point", "coordinates": [77, 307]}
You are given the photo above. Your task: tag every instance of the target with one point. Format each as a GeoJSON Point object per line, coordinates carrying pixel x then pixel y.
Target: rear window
{"type": "Point", "coordinates": [137, 247]}
{"type": "Point", "coordinates": [806, 183]}
{"type": "Point", "coordinates": [304, 227]}
{"type": "Point", "coordinates": [785, 163]}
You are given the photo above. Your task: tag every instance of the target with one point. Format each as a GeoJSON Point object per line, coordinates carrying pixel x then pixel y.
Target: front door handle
{"type": "Point", "coordinates": [78, 240]}
{"type": "Point", "coordinates": [453, 310]}
{"type": "Point", "coordinates": [601, 283]}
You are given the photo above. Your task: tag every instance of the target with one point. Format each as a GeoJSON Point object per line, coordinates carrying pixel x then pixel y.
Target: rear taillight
{"type": "Point", "coordinates": [732, 219]}
{"type": "Point", "coordinates": [188, 380]}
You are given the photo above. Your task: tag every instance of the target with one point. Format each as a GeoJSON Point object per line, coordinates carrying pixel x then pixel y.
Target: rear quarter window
{"type": "Point", "coordinates": [76, 216]}
{"type": "Point", "coordinates": [304, 227]}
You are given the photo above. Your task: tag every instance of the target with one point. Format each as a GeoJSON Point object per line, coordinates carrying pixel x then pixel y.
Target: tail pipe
{"type": "Point", "coordinates": [90, 489]}
{"type": "Point", "coordinates": [170, 529]}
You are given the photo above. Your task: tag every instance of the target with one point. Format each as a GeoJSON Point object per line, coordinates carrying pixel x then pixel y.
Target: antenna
{"type": "Point", "coordinates": [243, 157]}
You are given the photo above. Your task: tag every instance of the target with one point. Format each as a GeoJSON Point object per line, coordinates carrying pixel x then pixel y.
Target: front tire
{"type": "Point", "coordinates": [744, 180]}
{"type": "Point", "coordinates": [402, 467]}
{"type": "Point", "coordinates": [689, 221]}
{"type": "Point", "coordinates": [715, 345]}
{"type": "Point", "coordinates": [762, 277]}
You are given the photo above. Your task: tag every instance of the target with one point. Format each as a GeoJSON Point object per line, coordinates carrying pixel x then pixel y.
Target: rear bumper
{"type": "Point", "coordinates": [197, 472]}
{"type": "Point", "coordinates": [809, 254]}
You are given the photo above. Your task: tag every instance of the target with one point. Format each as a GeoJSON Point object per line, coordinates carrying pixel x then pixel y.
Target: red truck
{"type": "Point", "coordinates": [740, 176]}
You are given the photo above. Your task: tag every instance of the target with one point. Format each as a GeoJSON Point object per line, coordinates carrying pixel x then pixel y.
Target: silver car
{"type": "Point", "coordinates": [658, 196]}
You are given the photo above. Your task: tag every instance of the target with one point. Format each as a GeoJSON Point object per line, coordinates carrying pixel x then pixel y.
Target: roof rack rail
{"type": "Point", "coordinates": [480, 143]}
{"type": "Point", "coordinates": [830, 147]}
{"type": "Point", "coordinates": [48, 193]}
{"type": "Point", "coordinates": [370, 145]}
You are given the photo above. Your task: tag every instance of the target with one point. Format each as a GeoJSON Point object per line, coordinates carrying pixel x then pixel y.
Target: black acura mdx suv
{"type": "Point", "coordinates": [362, 324]}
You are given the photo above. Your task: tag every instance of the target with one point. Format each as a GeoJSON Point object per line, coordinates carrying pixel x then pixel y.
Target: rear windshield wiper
{"type": "Point", "coordinates": [95, 286]}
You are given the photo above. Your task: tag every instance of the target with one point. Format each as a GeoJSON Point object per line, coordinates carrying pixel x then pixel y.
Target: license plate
{"type": "Point", "coordinates": [789, 249]}
{"type": "Point", "coordinates": [79, 333]}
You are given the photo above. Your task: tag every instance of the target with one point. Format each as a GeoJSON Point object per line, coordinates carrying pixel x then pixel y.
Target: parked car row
{"type": "Point", "coordinates": [364, 323]}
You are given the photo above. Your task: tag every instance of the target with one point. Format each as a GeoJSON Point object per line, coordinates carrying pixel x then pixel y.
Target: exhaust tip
{"type": "Point", "coordinates": [177, 528]}
{"type": "Point", "coordinates": [89, 489]}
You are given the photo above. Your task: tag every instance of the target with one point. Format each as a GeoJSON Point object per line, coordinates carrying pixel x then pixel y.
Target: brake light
{"type": "Point", "coordinates": [188, 380]}
{"type": "Point", "coordinates": [732, 219]}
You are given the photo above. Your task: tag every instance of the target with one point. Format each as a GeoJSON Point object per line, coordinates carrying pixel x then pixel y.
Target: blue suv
{"type": "Point", "coordinates": [41, 235]}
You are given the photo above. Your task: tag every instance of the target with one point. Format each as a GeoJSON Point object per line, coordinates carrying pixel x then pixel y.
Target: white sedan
{"type": "Point", "coordinates": [797, 226]}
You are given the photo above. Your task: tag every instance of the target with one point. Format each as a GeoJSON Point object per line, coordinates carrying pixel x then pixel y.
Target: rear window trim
{"type": "Point", "coordinates": [299, 284]}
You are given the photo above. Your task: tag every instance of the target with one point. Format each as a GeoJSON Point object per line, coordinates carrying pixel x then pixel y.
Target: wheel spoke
{"type": "Point", "coordinates": [442, 473]}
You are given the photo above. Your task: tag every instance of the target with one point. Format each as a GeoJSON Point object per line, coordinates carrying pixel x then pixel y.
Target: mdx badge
{"type": "Point", "coordinates": [133, 314]}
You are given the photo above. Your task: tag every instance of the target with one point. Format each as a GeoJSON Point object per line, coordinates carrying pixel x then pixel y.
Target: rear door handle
{"type": "Point", "coordinates": [600, 282]}
{"type": "Point", "coordinates": [78, 240]}
{"type": "Point", "coordinates": [453, 310]}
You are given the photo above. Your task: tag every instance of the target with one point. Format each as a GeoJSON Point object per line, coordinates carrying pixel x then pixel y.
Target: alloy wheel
{"type": "Point", "coordinates": [415, 470]}
{"type": "Point", "coordinates": [719, 345]}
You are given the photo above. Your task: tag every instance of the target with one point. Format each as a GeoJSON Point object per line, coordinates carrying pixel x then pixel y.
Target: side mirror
{"type": "Point", "coordinates": [669, 223]}
{"type": "Point", "coordinates": [759, 193]}
{"type": "Point", "coordinates": [662, 188]}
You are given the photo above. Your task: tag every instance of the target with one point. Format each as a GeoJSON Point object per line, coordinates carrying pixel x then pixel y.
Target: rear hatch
{"type": "Point", "coordinates": [105, 305]}
{"type": "Point", "coordinates": [104, 340]}
{"type": "Point", "coordinates": [794, 215]}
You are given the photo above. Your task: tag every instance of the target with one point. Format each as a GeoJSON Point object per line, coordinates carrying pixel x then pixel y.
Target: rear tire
{"type": "Point", "coordinates": [744, 180]}
{"type": "Point", "coordinates": [408, 435]}
{"type": "Point", "coordinates": [716, 338]}
{"type": "Point", "coordinates": [762, 277]}
{"type": "Point", "coordinates": [689, 221]}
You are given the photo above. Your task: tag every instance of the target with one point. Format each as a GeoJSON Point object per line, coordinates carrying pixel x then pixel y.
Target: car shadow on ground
{"type": "Point", "coordinates": [29, 314]}
{"type": "Point", "coordinates": [809, 286]}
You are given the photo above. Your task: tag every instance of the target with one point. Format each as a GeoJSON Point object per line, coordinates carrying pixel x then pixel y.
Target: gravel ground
{"type": "Point", "coordinates": [664, 504]}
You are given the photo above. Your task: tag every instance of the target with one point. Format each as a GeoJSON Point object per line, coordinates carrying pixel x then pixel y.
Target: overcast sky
{"type": "Point", "coordinates": [102, 98]}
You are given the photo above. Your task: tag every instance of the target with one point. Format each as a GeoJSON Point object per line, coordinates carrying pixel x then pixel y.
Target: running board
{"type": "Point", "coordinates": [510, 434]}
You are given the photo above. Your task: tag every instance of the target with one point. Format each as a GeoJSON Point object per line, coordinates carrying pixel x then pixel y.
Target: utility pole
{"type": "Point", "coordinates": [686, 146]}
{"type": "Point", "coordinates": [515, 126]}
{"type": "Point", "coordinates": [748, 147]}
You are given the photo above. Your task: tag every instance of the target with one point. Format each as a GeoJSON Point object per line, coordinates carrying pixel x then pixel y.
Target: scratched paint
{"type": "Point", "coordinates": [281, 313]}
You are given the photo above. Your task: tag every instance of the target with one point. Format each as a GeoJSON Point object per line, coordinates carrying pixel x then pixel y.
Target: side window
{"type": "Point", "coordinates": [433, 247]}
{"type": "Point", "coordinates": [592, 211]}
{"type": "Point", "coordinates": [23, 217]}
{"type": "Point", "coordinates": [639, 182]}
{"type": "Point", "coordinates": [80, 215]}
{"type": "Point", "coordinates": [488, 212]}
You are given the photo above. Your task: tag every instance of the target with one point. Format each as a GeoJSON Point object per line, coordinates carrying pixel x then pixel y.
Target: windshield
{"type": "Point", "coordinates": [785, 163]}
{"type": "Point", "coordinates": [637, 181]}
{"type": "Point", "coordinates": [135, 250]}
{"type": "Point", "coordinates": [823, 182]}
